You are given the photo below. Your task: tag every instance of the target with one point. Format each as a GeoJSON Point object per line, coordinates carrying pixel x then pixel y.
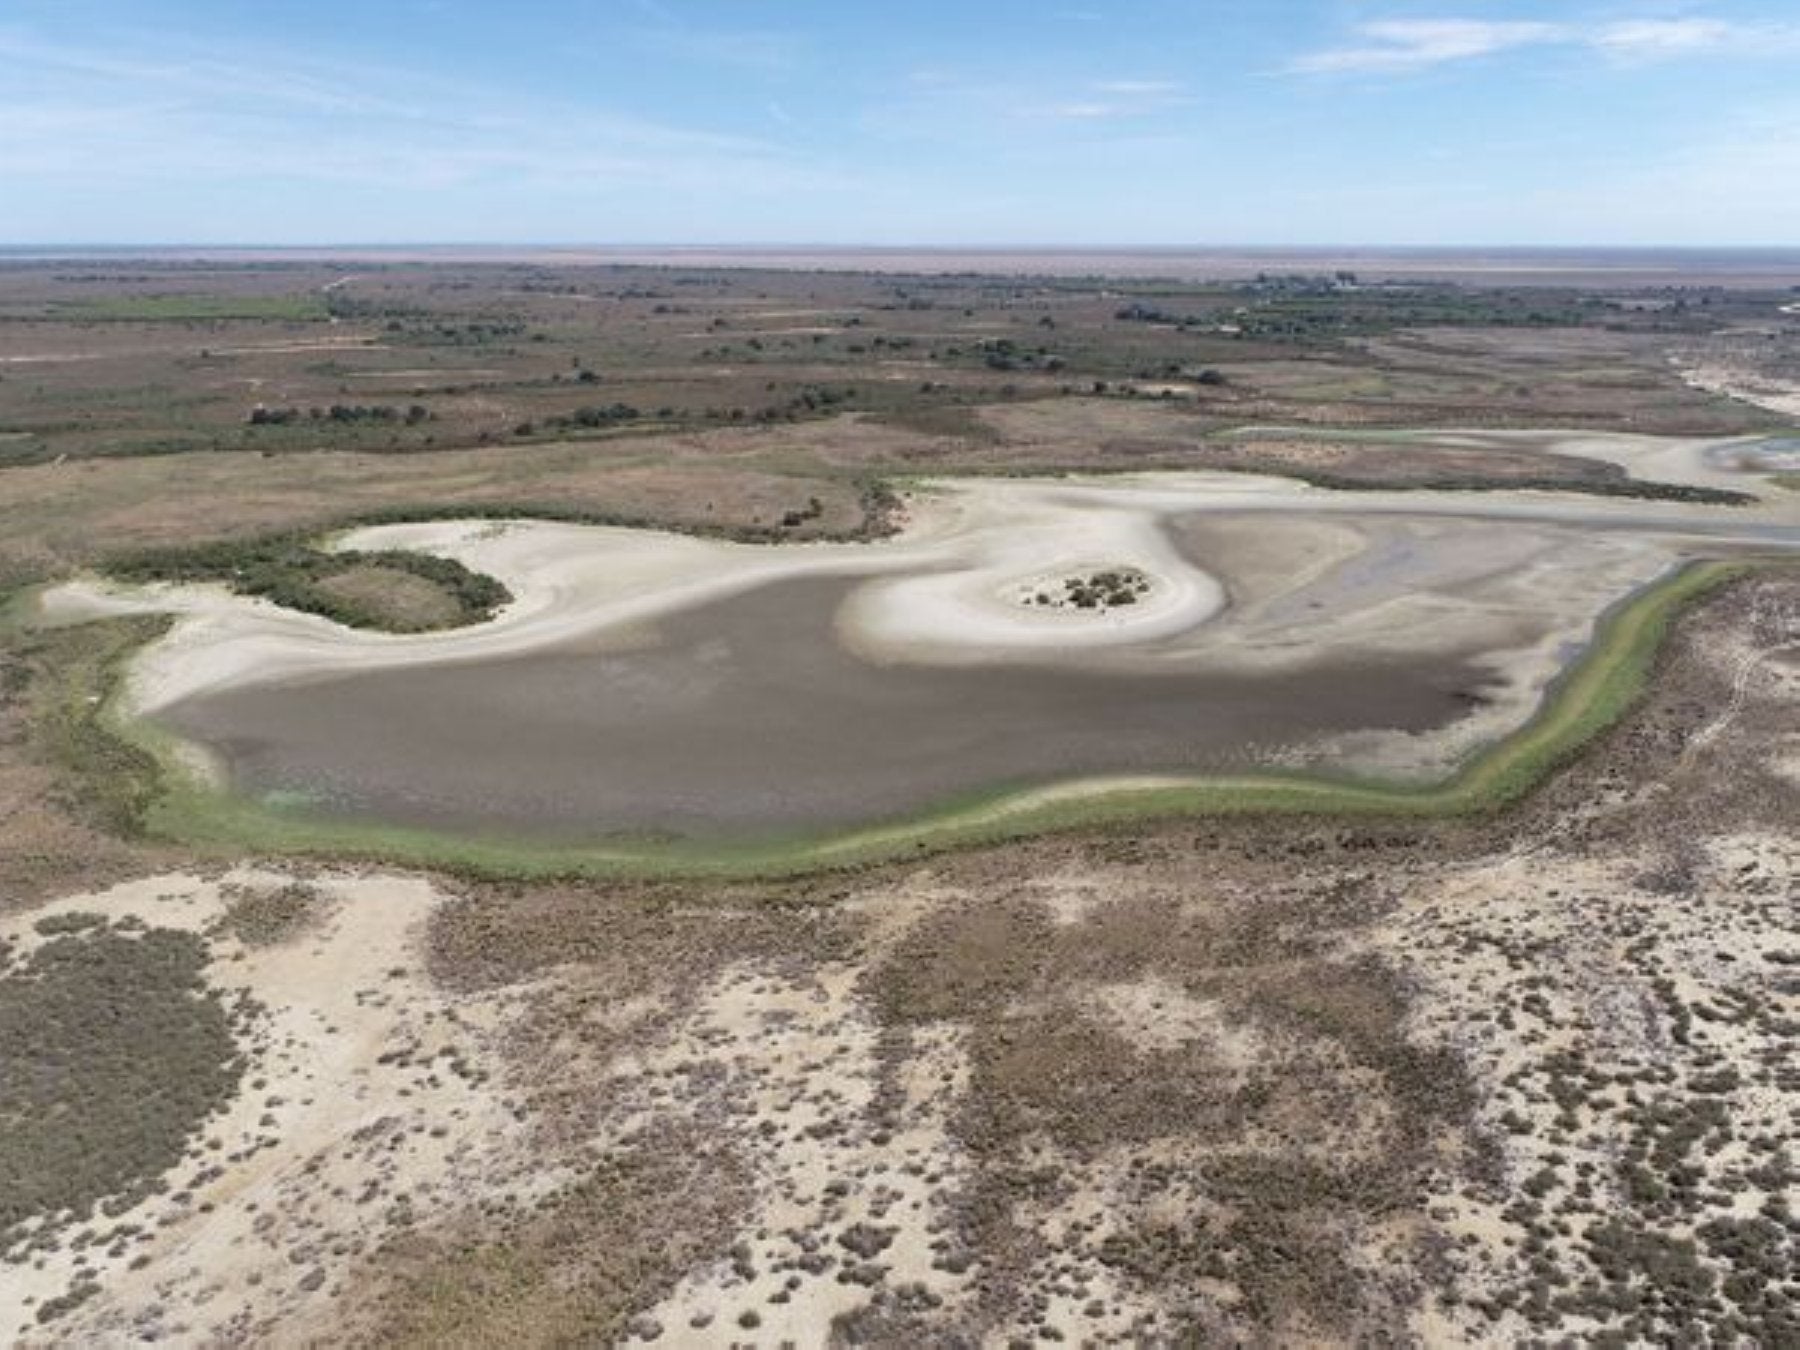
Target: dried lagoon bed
{"type": "Point", "coordinates": [657, 701]}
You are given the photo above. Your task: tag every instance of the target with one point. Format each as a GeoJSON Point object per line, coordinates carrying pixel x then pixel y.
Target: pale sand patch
{"type": "Point", "coordinates": [1747, 386]}
{"type": "Point", "coordinates": [1784, 759]}
{"type": "Point", "coordinates": [1070, 895]}
{"type": "Point", "coordinates": [1154, 1013]}
{"type": "Point", "coordinates": [347, 1112]}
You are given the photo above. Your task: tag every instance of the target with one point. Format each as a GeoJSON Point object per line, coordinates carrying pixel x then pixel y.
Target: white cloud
{"type": "Point", "coordinates": [941, 103]}
{"type": "Point", "coordinates": [1103, 99]}
{"type": "Point", "coordinates": [1401, 45]}
{"type": "Point", "coordinates": [1663, 37]}
{"type": "Point", "coordinates": [1137, 88]}
{"type": "Point", "coordinates": [1411, 44]}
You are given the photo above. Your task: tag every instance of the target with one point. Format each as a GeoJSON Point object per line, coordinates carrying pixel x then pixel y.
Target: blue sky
{"type": "Point", "coordinates": [1274, 122]}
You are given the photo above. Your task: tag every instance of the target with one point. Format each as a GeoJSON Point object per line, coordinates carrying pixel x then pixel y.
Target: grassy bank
{"type": "Point", "coordinates": [392, 590]}
{"type": "Point", "coordinates": [1589, 697]}
{"type": "Point", "coordinates": [70, 676]}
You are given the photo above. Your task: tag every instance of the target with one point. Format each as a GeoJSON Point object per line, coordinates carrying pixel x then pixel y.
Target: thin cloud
{"type": "Point", "coordinates": [1101, 100]}
{"type": "Point", "coordinates": [206, 114]}
{"type": "Point", "coordinates": [938, 103]}
{"type": "Point", "coordinates": [1403, 45]}
{"type": "Point", "coordinates": [742, 50]}
{"type": "Point", "coordinates": [1137, 88]}
{"type": "Point", "coordinates": [1665, 39]}
{"type": "Point", "coordinates": [1413, 44]}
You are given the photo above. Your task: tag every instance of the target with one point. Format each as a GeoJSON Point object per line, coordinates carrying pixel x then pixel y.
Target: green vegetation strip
{"type": "Point", "coordinates": [1588, 698]}
{"type": "Point", "coordinates": [68, 676]}
{"type": "Point", "coordinates": [291, 570]}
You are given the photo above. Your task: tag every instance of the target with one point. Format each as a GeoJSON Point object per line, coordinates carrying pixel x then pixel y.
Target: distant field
{"type": "Point", "coordinates": [195, 308]}
{"type": "Point", "coordinates": [122, 357]}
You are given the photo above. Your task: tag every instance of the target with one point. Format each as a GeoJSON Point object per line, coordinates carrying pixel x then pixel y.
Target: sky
{"type": "Point", "coordinates": [937, 122]}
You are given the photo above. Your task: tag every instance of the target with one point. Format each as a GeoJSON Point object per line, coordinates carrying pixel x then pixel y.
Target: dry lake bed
{"type": "Point", "coordinates": [1013, 634]}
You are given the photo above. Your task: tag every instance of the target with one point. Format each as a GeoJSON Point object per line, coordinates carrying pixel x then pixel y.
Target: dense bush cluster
{"type": "Point", "coordinates": [1003, 354]}
{"type": "Point", "coordinates": [1107, 589]}
{"type": "Point", "coordinates": [813, 509]}
{"type": "Point", "coordinates": [340, 413]}
{"type": "Point", "coordinates": [69, 676]}
{"type": "Point", "coordinates": [116, 1053]}
{"type": "Point", "coordinates": [606, 415]}
{"type": "Point", "coordinates": [270, 916]}
{"type": "Point", "coordinates": [291, 571]}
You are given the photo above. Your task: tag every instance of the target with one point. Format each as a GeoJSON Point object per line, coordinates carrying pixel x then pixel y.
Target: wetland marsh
{"type": "Point", "coordinates": [649, 688]}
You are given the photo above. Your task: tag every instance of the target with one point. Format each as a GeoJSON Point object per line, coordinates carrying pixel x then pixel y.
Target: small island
{"type": "Point", "coordinates": [1108, 589]}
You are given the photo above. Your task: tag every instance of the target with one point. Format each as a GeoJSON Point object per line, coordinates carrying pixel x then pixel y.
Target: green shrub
{"type": "Point", "coordinates": [289, 570]}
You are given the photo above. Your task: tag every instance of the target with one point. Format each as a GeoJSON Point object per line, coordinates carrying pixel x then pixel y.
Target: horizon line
{"type": "Point", "coordinates": [820, 246]}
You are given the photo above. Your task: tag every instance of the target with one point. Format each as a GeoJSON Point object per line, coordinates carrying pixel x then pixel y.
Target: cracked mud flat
{"type": "Point", "coordinates": [1218, 1081]}
{"type": "Point", "coordinates": [651, 684]}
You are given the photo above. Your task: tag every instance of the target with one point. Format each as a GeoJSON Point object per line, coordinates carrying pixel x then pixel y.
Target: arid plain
{"type": "Point", "coordinates": [565, 801]}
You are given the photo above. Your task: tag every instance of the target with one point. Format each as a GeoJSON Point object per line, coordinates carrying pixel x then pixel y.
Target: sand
{"type": "Point", "coordinates": [1746, 385]}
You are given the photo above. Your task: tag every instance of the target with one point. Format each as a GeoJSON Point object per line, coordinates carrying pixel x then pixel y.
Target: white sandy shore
{"type": "Point", "coordinates": [1292, 574]}
{"type": "Point", "coordinates": [1747, 386]}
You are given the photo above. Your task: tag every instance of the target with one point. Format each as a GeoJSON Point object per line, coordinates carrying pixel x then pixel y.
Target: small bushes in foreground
{"type": "Point", "coordinates": [117, 1052]}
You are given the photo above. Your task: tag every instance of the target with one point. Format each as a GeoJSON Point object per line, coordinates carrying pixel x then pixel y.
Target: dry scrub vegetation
{"type": "Point", "coordinates": [1216, 1081]}
{"type": "Point", "coordinates": [117, 1051]}
{"type": "Point", "coordinates": [1487, 1082]}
